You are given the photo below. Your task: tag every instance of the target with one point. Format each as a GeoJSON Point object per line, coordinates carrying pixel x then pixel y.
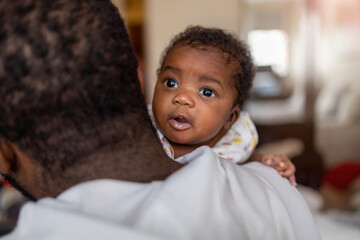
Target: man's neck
{"type": "Point", "coordinates": [143, 165]}
{"type": "Point", "coordinates": [147, 165]}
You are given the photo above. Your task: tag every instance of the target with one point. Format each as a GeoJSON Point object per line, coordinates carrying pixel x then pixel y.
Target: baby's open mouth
{"type": "Point", "coordinates": [181, 120]}
{"type": "Point", "coordinates": [179, 123]}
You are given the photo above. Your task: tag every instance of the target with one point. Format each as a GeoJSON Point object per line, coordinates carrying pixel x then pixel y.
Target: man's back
{"type": "Point", "coordinates": [209, 198]}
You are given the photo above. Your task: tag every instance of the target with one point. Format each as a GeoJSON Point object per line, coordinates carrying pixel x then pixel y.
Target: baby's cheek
{"type": "Point", "coordinates": [212, 127]}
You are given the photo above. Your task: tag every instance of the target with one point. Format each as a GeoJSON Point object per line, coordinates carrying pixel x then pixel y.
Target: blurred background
{"type": "Point", "coordinates": [306, 93]}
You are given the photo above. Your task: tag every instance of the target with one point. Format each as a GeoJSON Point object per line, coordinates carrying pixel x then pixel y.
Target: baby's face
{"type": "Point", "coordinates": [194, 96]}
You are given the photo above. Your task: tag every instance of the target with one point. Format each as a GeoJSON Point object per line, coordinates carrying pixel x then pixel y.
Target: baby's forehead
{"type": "Point", "coordinates": [203, 47]}
{"type": "Point", "coordinates": [229, 61]}
{"type": "Point", "coordinates": [223, 59]}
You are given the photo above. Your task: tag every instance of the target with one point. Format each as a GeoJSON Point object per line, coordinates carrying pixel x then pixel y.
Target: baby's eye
{"type": "Point", "coordinates": [207, 92]}
{"type": "Point", "coordinates": [171, 83]}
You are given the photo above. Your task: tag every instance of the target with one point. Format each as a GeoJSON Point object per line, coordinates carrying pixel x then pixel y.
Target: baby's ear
{"type": "Point", "coordinates": [235, 113]}
{"type": "Point", "coordinates": [7, 157]}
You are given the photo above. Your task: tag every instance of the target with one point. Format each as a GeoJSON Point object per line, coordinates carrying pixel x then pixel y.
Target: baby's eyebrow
{"type": "Point", "coordinates": [205, 78]}
{"type": "Point", "coordinates": [172, 69]}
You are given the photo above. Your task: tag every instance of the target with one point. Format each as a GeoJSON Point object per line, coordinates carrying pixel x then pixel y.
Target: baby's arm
{"type": "Point", "coordinates": [279, 162]}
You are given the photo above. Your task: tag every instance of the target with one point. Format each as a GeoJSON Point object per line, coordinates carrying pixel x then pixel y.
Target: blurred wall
{"type": "Point", "coordinates": [338, 65]}
{"type": "Point", "coordinates": [121, 5]}
{"type": "Point", "coordinates": [289, 16]}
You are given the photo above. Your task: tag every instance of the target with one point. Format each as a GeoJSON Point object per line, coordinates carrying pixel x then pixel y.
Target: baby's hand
{"type": "Point", "coordinates": [282, 164]}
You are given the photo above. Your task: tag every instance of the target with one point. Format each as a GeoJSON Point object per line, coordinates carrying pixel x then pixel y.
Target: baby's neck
{"type": "Point", "coordinates": [181, 150]}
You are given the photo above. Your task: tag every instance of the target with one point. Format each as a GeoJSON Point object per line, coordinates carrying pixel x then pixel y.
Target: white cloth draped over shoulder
{"type": "Point", "coordinates": [209, 198]}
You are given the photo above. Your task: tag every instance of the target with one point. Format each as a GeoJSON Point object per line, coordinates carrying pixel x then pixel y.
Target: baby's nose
{"type": "Point", "coordinates": [184, 98]}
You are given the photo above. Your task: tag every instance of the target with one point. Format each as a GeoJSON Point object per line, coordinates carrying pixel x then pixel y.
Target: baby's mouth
{"type": "Point", "coordinates": [179, 123]}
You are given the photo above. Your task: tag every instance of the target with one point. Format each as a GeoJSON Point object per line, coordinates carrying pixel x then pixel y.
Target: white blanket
{"type": "Point", "coordinates": [209, 198]}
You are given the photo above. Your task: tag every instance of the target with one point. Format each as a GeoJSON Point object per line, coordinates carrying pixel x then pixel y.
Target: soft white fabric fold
{"type": "Point", "coordinates": [209, 198]}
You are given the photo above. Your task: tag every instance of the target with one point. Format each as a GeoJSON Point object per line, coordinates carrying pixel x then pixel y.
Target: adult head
{"type": "Point", "coordinates": [71, 107]}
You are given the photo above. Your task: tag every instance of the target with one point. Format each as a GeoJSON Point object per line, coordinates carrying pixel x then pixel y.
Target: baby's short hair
{"type": "Point", "coordinates": [238, 51]}
{"type": "Point", "coordinates": [68, 79]}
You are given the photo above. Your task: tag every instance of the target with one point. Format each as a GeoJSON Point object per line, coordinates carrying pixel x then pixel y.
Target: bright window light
{"type": "Point", "coordinates": [270, 48]}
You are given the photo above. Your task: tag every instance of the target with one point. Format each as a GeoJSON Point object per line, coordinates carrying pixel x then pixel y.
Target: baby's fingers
{"type": "Point", "coordinates": [270, 161]}
{"type": "Point", "coordinates": [292, 180]}
{"type": "Point", "coordinates": [283, 165]}
{"type": "Point", "coordinates": [290, 174]}
{"type": "Point", "coordinates": [273, 161]}
{"type": "Point", "coordinates": [288, 171]}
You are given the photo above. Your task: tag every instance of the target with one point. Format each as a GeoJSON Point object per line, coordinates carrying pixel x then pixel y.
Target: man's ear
{"type": "Point", "coordinates": [7, 157]}
{"type": "Point", "coordinates": [235, 113]}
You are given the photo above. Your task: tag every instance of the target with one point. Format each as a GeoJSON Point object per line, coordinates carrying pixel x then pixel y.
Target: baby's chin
{"type": "Point", "coordinates": [178, 140]}
{"type": "Point", "coordinates": [183, 137]}
{"type": "Point", "coordinates": [184, 140]}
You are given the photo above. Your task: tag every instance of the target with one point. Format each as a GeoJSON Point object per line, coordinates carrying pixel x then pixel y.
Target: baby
{"type": "Point", "coordinates": [204, 78]}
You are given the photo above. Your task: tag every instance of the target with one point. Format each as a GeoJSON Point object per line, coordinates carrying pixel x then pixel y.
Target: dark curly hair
{"type": "Point", "coordinates": [238, 51]}
{"type": "Point", "coordinates": [67, 66]}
